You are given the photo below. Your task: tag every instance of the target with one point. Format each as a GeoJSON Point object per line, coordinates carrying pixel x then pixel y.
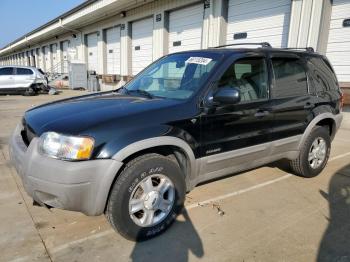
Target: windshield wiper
{"type": "Point", "coordinates": [122, 88]}
{"type": "Point", "coordinates": [142, 92]}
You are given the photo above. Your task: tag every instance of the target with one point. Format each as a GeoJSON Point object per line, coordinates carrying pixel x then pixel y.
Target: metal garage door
{"type": "Point", "coordinates": [338, 48]}
{"type": "Point", "coordinates": [185, 28]}
{"type": "Point", "coordinates": [142, 34]}
{"type": "Point", "coordinates": [54, 58]}
{"type": "Point", "coordinates": [113, 50]}
{"type": "Point", "coordinates": [65, 46]}
{"type": "Point", "coordinates": [92, 57]}
{"type": "Point", "coordinates": [258, 21]}
{"type": "Point", "coordinates": [46, 58]}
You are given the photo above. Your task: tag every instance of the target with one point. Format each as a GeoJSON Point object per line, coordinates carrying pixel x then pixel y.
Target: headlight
{"type": "Point", "coordinates": [66, 147]}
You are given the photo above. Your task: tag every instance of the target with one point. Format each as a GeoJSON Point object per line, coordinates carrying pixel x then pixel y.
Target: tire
{"type": "Point", "coordinates": [29, 92]}
{"type": "Point", "coordinates": [130, 183]}
{"type": "Point", "coordinates": [302, 166]}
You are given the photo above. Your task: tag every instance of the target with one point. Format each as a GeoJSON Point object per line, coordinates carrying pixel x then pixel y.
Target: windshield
{"type": "Point", "coordinates": [176, 76]}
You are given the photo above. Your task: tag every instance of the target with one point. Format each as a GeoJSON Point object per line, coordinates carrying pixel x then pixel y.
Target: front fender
{"type": "Point", "coordinates": [161, 141]}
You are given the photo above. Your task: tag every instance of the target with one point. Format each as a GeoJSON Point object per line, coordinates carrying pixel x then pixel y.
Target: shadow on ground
{"type": "Point", "coordinates": [335, 244]}
{"type": "Point", "coordinates": [176, 245]}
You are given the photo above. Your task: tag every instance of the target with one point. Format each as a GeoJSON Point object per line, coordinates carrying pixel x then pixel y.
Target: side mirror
{"type": "Point", "coordinates": [227, 96]}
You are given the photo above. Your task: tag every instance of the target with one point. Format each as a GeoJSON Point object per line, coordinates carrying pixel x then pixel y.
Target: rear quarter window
{"type": "Point", "coordinates": [290, 78]}
{"type": "Point", "coordinates": [324, 78]}
{"type": "Point", "coordinates": [23, 71]}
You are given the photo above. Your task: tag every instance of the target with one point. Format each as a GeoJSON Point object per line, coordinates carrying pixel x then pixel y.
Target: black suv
{"type": "Point", "coordinates": [189, 117]}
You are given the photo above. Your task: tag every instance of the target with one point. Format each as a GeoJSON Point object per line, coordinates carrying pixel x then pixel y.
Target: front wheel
{"type": "Point", "coordinates": [146, 197]}
{"type": "Point", "coordinates": [313, 154]}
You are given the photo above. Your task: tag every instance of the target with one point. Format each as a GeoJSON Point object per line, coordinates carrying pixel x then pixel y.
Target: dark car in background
{"type": "Point", "coordinates": [189, 117]}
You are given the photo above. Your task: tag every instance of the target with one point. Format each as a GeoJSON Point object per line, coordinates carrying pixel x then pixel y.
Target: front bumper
{"type": "Point", "coordinates": [77, 186]}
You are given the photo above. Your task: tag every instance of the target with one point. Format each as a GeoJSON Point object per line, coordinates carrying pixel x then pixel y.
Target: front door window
{"type": "Point", "coordinates": [249, 76]}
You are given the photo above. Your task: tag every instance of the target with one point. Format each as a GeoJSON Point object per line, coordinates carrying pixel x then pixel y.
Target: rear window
{"type": "Point", "coordinates": [290, 77]}
{"type": "Point", "coordinates": [41, 71]}
{"type": "Point", "coordinates": [6, 71]}
{"type": "Point", "coordinates": [24, 71]}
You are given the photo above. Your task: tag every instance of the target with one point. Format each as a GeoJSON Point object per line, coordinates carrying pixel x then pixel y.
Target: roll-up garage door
{"type": "Point", "coordinates": [258, 21]}
{"type": "Point", "coordinates": [92, 60]}
{"type": "Point", "coordinates": [338, 48]}
{"type": "Point", "coordinates": [54, 58]}
{"type": "Point", "coordinates": [142, 35]}
{"type": "Point", "coordinates": [113, 50]}
{"type": "Point", "coordinates": [46, 58]}
{"type": "Point", "coordinates": [65, 46]}
{"type": "Point", "coordinates": [185, 28]}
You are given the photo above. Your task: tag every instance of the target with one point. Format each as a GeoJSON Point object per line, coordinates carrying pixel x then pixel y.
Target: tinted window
{"type": "Point", "coordinates": [6, 71]}
{"type": "Point", "coordinates": [324, 78]}
{"type": "Point", "coordinates": [41, 71]}
{"type": "Point", "coordinates": [290, 77]}
{"type": "Point", "coordinates": [24, 71]}
{"type": "Point", "coordinates": [249, 76]}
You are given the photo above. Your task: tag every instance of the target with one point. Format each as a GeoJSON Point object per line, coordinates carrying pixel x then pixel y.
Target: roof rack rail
{"type": "Point", "coordinates": [262, 44]}
{"type": "Point", "coordinates": [308, 48]}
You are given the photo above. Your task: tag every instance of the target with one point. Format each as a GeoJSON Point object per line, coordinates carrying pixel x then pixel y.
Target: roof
{"type": "Point", "coordinates": [19, 66]}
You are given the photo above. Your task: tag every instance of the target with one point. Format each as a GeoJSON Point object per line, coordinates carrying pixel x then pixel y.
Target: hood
{"type": "Point", "coordinates": [77, 115]}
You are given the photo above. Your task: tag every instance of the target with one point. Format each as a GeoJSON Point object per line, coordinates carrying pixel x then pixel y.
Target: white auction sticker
{"type": "Point", "coordinates": [198, 60]}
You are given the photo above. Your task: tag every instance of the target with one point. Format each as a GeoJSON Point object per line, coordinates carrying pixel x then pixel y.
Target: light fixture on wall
{"type": "Point", "coordinates": [74, 35]}
{"type": "Point", "coordinates": [123, 14]}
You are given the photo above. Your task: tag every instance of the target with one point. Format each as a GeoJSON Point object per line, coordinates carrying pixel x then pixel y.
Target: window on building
{"type": "Point", "coordinates": [290, 77]}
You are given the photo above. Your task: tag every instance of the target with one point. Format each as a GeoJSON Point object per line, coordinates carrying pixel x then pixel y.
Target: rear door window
{"type": "Point", "coordinates": [6, 71]}
{"type": "Point", "coordinates": [23, 71]}
{"type": "Point", "coordinates": [290, 77]}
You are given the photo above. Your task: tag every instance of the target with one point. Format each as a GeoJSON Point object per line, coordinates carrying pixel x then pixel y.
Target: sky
{"type": "Point", "coordinates": [19, 17]}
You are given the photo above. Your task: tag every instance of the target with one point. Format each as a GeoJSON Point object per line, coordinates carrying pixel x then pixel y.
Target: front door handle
{"type": "Point", "coordinates": [261, 113]}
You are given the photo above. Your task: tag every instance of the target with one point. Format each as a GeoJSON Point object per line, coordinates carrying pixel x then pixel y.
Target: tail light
{"type": "Point", "coordinates": [342, 100]}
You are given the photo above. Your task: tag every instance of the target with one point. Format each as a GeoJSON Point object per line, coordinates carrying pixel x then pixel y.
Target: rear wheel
{"type": "Point", "coordinates": [313, 154]}
{"type": "Point", "coordinates": [146, 197]}
{"type": "Point", "coordinates": [30, 91]}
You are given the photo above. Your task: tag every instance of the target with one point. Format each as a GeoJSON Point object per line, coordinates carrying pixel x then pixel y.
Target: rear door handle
{"type": "Point", "coordinates": [261, 113]}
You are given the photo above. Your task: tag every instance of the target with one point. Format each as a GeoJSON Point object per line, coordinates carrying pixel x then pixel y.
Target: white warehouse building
{"type": "Point", "coordinates": [118, 38]}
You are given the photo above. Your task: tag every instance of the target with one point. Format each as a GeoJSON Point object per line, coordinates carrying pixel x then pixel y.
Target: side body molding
{"type": "Point", "coordinates": [161, 141]}
{"type": "Point", "coordinates": [336, 124]}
